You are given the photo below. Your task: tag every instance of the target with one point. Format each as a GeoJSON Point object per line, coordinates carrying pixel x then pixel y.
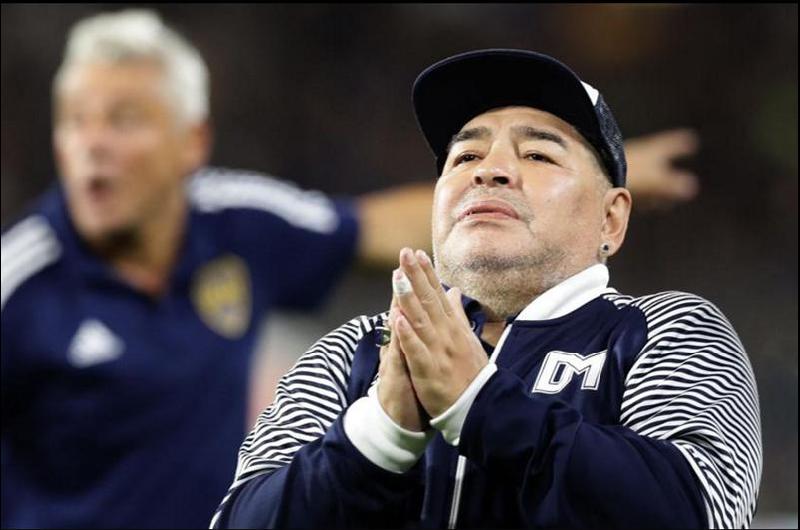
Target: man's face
{"type": "Point", "coordinates": [121, 151]}
{"type": "Point", "coordinates": [520, 190]}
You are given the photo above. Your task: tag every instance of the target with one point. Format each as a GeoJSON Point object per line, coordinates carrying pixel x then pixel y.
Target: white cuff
{"type": "Point", "coordinates": [380, 439]}
{"type": "Point", "coordinates": [451, 421]}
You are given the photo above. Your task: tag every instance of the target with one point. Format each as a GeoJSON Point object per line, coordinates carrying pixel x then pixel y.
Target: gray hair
{"type": "Point", "coordinates": [140, 35]}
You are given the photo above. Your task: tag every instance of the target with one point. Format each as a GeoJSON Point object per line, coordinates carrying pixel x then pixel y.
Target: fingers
{"type": "Point", "coordinates": [676, 143]}
{"type": "Point", "coordinates": [426, 292]}
{"type": "Point", "coordinates": [391, 359]}
{"type": "Point", "coordinates": [409, 305]}
{"type": "Point", "coordinates": [393, 309]}
{"type": "Point", "coordinates": [383, 329]}
{"type": "Point", "coordinates": [416, 353]}
{"type": "Point", "coordinates": [394, 359]}
{"type": "Point", "coordinates": [382, 353]}
{"type": "Point", "coordinates": [433, 280]}
{"type": "Point", "coordinates": [395, 390]}
{"type": "Point", "coordinates": [677, 184]}
{"type": "Point", "coordinates": [653, 179]}
{"type": "Point", "coordinates": [681, 185]}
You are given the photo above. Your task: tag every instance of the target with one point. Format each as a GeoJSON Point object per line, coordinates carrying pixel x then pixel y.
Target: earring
{"type": "Point", "coordinates": [605, 248]}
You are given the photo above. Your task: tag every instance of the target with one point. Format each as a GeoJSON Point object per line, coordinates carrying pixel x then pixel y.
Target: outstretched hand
{"type": "Point", "coordinates": [653, 180]}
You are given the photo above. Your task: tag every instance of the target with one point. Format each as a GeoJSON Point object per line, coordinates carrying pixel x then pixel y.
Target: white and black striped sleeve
{"type": "Point", "coordinates": [693, 385]}
{"type": "Point", "coordinates": [308, 399]}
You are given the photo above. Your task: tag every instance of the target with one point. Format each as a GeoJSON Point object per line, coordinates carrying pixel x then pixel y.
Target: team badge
{"type": "Point", "coordinates": [221, 295]}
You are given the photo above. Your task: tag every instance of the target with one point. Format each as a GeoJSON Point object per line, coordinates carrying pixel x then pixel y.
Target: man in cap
{"type": "Point", "coordinates": [524, 391]}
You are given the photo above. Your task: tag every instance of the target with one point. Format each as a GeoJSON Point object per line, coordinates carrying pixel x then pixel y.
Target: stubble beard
{"type": "Point", "coordinates": [503, 285]}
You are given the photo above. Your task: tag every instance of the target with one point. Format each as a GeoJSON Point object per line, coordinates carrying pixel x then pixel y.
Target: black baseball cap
{"type": "Point", "coordinates": [451, 92]}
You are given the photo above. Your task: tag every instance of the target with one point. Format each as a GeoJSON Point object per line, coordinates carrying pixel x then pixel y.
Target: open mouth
{"type": "Point", "coordinates": [98, 189]}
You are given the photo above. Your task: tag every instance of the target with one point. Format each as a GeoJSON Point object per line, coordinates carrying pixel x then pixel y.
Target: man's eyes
{"type": "Point", "coordinates": [534, 157]}
{"type": "Point", "coordinates": [127, 117]}
{"type": "Point", "coordinates": [123, 118]}
{"type": "Point", "coordinates": [538, 157]}
{"type": "Point", "coordinates": [465, 157]}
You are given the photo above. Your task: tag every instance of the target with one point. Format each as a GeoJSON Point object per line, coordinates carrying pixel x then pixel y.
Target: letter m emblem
{"type": "Point", "coordinates": [559, 367]}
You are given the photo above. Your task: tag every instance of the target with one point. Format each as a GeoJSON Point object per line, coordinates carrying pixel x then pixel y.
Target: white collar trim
{"type": "Point", "coordinates": [568, 295]}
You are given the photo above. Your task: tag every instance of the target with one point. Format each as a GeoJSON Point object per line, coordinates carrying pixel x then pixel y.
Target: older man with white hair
{"type": "Point", "coordinates": [133, 292]}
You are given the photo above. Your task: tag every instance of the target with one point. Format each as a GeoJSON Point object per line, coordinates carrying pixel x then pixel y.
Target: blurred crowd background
{"type": "Point", "coordinates": [320, 95]}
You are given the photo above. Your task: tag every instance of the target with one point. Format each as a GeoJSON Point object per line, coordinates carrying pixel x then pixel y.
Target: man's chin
{"type": "Point", "coordinates": [106, 234]}
{"type": "Point", "coordinates": [492, 241]}
{"type": "Point", "coordinates": [487, 258]}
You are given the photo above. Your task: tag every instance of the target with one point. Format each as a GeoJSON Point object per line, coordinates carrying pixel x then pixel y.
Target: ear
{"type": "Point", "coordinates": [617, 210]}
{"type": "Point", "coordinates": [197, 147]}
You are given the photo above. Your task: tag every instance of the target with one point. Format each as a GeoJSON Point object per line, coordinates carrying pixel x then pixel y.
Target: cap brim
{"type": "Point", "coordinates": [451, 92]}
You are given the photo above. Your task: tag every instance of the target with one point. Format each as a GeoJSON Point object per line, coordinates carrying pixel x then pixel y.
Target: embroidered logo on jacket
{"type": "Point", "coordinates": [221, 295]}
{"type": "Point", "coordinates": [559, 367]}
{"type": "Point", "coordinates": [92, 344]}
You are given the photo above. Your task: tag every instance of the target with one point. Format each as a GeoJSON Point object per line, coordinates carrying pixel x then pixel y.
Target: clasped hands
{"type": "Point", "coordinates": [433, 355]}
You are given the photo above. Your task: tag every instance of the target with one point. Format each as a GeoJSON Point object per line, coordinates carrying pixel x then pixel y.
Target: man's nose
{"type": "Point", "coordinates": [496, 170]}
{"type": "Point", "coordinates": [96, 141]}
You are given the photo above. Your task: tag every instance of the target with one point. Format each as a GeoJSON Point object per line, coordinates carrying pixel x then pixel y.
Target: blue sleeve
{"type": "Point", "coordinates": [572, 473]}
{"type": "Point", "coordinates": [297, 242]}
{"type": "Point", "coordinates": [300, 265]}
{"type": "Point", "coordinates": [328, 484]}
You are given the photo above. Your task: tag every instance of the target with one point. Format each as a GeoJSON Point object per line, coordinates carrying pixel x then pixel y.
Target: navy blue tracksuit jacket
{"type": "Point", "coordinates": [605, 411]}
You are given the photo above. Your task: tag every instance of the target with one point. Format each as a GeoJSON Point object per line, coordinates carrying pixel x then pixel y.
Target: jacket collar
{"type": "Point", "coordinates": [556, 302]}
{"type": "Point", "coordinates": [197, 247]}
{"type": "Point", "coordinates": [568, 295]}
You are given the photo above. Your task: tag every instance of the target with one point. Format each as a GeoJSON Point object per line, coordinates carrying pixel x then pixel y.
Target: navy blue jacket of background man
{"type": "Point", "coordinates": [120, 410]}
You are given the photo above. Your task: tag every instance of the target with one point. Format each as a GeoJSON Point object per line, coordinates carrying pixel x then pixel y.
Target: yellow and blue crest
{"type": "Point", "coordinates": [221, 295]}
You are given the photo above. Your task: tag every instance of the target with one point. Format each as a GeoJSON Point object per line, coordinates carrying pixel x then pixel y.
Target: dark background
{"type": "Point", "coordinates": [320, 94]}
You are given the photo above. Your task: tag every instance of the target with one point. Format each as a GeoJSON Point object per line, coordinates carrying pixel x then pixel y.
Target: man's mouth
{"type": "Point", "coordinates": [487, 209]}
{"type": "Point", "coordinates": [98, 189]}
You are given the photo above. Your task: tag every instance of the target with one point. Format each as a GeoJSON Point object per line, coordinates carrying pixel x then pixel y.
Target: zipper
{"type": "Point", "coordinates": [461, 467]}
